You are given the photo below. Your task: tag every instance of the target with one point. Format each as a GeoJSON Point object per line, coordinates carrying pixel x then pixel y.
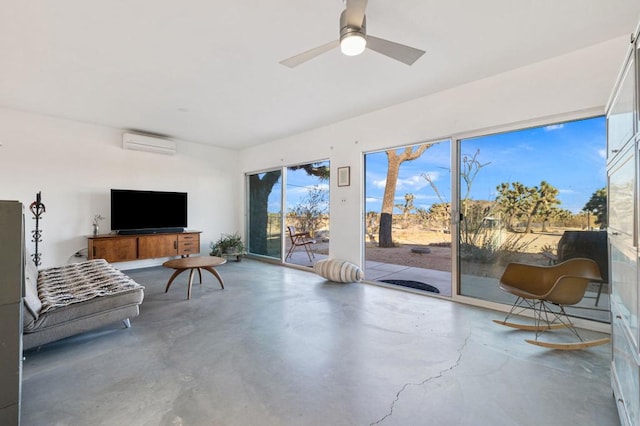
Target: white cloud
{"type": "Point", "coordinates": [380, 183]}
{"type": "Point", "coordinates": [433, 175]}
{"type": "Point", "coordinates": [566, 191]}
{"type": "Point", "coordinates": [553, 127]}
{"type": "Point", "coordinates": [411, 183]}
{"type": "Point", "coordinates": [602, 153]}
{"type": "Point", "coordinates": [296, 194]}
{"type": "Point", "coordinates": [296, 191]}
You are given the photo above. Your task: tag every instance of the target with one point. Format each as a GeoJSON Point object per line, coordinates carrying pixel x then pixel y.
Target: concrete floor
{"type": "Point", "coordinates": [479, 287]}
{"type": "Point", "coordinates": [281, 346]}
{"type": "Point", "coordinates": [375, 271]}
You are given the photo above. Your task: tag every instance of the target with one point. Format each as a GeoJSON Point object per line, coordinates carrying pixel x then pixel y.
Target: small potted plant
{"type": "Point", "coordinates": [228, 245]}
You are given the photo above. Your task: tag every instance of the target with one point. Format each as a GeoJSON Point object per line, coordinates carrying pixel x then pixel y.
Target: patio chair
{"type": "Point", "coordinates": [584, 244]}
{"type": "Point", "coordinates": [540, 288]}
{"type": "Point", "coordinates": [300, 239]}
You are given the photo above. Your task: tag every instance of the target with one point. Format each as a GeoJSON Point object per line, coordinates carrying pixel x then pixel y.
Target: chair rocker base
{"type": "Point", "coordinates": [531, 327]}
{"type": "Point", "coordinates": [546, 290]}
{"type": "Point", "coordinates": [569, 346]}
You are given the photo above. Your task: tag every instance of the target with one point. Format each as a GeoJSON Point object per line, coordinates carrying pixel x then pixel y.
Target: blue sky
{"type": "Point", "coordinates": [298, 184]}
{"type": "Point", "coordinates": [435, 163]}
{"type": "Point", "coordinates": [570, 156]}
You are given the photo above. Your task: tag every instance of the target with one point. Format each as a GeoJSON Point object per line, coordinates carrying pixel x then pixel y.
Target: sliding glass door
{"type": "Point", "coordinates": [408, 217]}
{"type": "Point", "coordinates": [525, 196]}
{"type": "Point", "coordinates": [264, 227]}
{"type": "Point", "coordinates": [306, 233]}
{"type": "Point", "coordinates": [518, 196]}
{"type": "Point", "coordinates": [300, 235]}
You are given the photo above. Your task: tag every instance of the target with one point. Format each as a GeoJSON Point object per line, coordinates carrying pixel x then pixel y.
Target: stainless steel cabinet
{"type": "Point", "coordinates": [623, 141]}
{"type": "Point", "coordinates": [11, 290]}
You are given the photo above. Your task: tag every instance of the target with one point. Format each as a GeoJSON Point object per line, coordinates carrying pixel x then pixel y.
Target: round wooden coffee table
{"type": "Point", "coordinates": [208, 263]}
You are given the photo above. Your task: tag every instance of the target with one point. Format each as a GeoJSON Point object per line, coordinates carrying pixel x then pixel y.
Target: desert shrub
{"type": "Point", "coordinates": [548, 248]}
{"type": "Point", "coordinates": [372, 225]}
{"type": "Point", "coordinates": [310, 213]}
{"type": "Point", "coordinates": [441, 244]}
{"type": "Point", "coordinates": [489, 247]}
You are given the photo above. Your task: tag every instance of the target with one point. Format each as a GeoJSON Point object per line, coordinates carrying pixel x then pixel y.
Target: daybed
{"type": "Point", "coordinates": [71, 299]}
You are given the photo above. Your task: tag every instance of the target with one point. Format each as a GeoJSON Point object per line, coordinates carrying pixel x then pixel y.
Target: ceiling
{"type": "Point", "coordinates": [208, 71]}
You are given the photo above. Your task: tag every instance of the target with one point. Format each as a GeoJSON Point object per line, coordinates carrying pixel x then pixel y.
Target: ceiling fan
{"type": "Point", "coordinates": [354, 39]}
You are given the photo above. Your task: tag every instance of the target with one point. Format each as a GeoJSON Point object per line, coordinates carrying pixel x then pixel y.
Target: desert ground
{"type": "Point", "coordinates": [439, 247]}
{"type": "Point", "coordinates": [438, 255]}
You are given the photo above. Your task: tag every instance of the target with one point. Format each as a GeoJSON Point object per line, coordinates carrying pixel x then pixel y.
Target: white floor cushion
{"type": "Point", "coordinates": [338, 270]}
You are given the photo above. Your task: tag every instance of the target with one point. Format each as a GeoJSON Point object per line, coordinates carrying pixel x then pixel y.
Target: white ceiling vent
{"type": "Point", "coordinates": [148, 143]}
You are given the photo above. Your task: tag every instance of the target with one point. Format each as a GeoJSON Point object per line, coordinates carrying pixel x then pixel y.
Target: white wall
{"type": "Point", "coordinates": [76, 164]}
{"type": "Point", "coordinates": [581, 80]}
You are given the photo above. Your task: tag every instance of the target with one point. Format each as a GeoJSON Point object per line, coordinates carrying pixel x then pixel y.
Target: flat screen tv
{"type": "Point", "coordinates": [134, 212]}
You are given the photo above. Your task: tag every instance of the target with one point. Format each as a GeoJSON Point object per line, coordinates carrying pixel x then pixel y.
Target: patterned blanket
{"type": "Point", "coordinates": [78, 282]}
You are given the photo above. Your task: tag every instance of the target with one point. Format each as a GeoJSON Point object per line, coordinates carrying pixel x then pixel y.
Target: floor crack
{"type": "Point", "coordinates": [428, 379]}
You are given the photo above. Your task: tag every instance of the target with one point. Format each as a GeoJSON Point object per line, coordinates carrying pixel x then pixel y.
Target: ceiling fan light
{"type": "Point", "coordinates": [353, 44]}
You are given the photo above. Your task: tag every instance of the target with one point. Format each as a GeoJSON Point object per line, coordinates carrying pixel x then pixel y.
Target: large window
{"type": "Point", "coordinates": [264, 228]}
{"type": "Point", "coordinates": [300, 235]}
{"type": "Point", "coordinates": [517, 196]}
{"type": "Point", "coordinates": [408, 217]}
{"type": "Point", "coordinates": [307, 219]}
{"type": "Point", "coordinates": [524, 194]}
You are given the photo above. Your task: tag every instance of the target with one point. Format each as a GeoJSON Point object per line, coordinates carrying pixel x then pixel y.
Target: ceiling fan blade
{"type": "Point", "coordinates": [355, 12]}
{"type": "Point", "coordinates": [303, 57]}
{"type": "Point", "coordinates": [399, 52]}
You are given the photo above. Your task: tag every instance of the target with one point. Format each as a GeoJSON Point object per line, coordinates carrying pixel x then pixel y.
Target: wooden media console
{"type": "Point", "coordinates": [121, 248]}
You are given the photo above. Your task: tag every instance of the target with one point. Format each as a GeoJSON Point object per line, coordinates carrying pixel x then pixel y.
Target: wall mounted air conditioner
{"type": "Point", "coordinates": [138, 142]}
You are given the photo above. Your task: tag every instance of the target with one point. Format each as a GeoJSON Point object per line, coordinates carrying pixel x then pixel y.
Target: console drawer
{"type": "Point", "coordinates": [188, 244]}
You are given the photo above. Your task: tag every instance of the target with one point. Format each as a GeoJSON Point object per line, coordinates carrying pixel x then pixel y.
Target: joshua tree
{"type": "Point", "coordinates": [407, 207]}
{"type": "Point", "coordinates": [395, 159]}
{"type": "Point", "coordinates": [518, 200]}
{"type": "Point", "coordinates": [597, 205]}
